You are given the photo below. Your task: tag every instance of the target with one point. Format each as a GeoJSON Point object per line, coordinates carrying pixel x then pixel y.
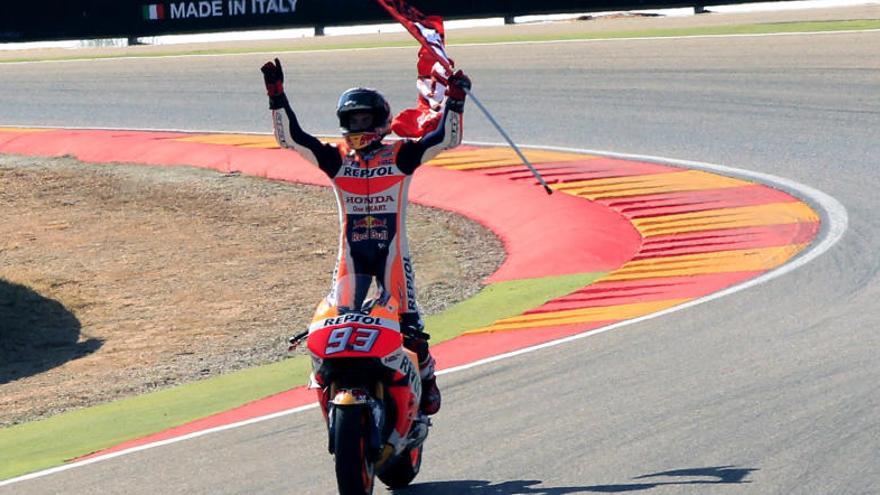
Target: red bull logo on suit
{"type": "Point", "coordinates": [369, 227]}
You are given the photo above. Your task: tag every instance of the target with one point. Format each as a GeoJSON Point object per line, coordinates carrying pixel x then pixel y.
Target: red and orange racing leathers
{"type": "Point", "coordinates": [371, 190]}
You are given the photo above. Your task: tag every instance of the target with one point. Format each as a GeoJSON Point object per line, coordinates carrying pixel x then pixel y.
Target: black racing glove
{"type": "Point", "coordinates": [459, 84]}
{"type": "Point", "coordinates": [273, 76]}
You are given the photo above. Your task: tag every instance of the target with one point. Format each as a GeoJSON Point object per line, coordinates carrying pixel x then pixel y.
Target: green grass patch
{"type": "Point", "coordinates": [762, 28]}
{"type": "Point", "coordinates": [43, 444]}
{"type": "Point", "coordinates": [502, 300]}
{"type": "Point", "coordinates": [222, 51]}
{"type": "Point", "coordinates": [765, 28]}
{"type": "Point", "coordinates": [50, 442]}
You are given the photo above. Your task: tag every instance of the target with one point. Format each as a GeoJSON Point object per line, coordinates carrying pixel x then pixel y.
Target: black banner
{"type": "Point", "coordinates": [46, 20]}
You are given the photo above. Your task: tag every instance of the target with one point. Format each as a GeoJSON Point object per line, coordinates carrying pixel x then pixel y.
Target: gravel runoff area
{"type": "Point", "coordinates": [119, 280]}
{"type": "Point", "coordinates": [588, 24]}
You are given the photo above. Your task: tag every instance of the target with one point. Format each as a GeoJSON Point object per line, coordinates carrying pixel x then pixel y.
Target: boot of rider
{"type": "Point", "coordinates": [431, 398]}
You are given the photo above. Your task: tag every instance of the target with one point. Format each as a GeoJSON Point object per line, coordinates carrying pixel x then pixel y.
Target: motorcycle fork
{"type": "Point", "coordinates": [375, 408]}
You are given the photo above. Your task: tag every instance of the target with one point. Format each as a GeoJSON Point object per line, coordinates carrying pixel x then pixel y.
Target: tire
{"type": "Point", "coordinates": [354, 472]}
{"type": "Point", "coordinates": [404, 469]}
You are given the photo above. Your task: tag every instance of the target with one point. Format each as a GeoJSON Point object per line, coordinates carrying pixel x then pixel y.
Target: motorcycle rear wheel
{"type": "Point", "coordinates": [354, 471]}
{"type": "Point", "coordinates": [404, 469]}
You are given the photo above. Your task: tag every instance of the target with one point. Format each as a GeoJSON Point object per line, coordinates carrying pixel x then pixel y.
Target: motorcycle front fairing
{"type": "Point", "coordinates": [356, 359]}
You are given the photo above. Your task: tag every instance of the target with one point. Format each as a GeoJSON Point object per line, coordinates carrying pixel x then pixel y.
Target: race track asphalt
{"type": "Point", "coordinates": [773, 390]}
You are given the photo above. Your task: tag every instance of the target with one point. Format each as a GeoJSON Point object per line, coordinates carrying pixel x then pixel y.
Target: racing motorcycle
{"type": "Point", "coordinates": [369, 389]}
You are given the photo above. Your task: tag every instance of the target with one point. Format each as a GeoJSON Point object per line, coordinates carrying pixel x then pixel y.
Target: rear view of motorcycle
{"type": "Point", "coordinates": [369, 389]}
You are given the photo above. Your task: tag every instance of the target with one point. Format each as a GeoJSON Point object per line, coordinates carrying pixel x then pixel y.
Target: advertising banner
{"type": "Point", "coordinates": [89, 19]}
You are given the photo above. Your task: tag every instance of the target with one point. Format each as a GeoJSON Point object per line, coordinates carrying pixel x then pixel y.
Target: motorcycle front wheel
{"type": "Point", "coordinates": [354, 471]}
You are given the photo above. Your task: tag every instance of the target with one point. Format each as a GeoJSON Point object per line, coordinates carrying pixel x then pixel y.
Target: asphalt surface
{"type": "Point", "coordinates": [773, 390]}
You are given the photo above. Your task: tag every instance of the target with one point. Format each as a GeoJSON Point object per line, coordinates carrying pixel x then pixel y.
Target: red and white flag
{"type": "Point", "coordinates": [434, 68]}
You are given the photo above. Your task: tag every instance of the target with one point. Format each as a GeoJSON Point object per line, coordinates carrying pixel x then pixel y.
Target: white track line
{"type": "Point", "coordinates": [834, 224]}
{"type": "Point", "coordinates": [112, 455]}
{"type": "Point", "coordinates": [452, 45]}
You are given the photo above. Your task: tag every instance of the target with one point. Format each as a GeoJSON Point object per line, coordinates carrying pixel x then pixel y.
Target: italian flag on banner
{"type": "Point", "coordinates": [154, 12]}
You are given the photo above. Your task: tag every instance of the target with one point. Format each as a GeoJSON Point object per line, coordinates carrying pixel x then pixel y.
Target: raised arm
{"type": "Point", "coordinates": [448, 133]}
{"type": "Point", "coordinates": [288, 132]}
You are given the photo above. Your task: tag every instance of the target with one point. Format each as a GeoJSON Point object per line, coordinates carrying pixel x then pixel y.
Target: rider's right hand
{"type": "Point", "coordinates": [274, 78]}
{"type": "Point", "coordinates": [459, 85]}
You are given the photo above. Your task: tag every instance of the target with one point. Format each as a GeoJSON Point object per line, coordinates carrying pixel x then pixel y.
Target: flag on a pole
{"type": "Point", "coordinates": [434, 68]}
{"type": "Point", "coordinates": [427, 30]}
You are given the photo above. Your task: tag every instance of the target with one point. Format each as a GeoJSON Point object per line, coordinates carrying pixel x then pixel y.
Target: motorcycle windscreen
{"type": "Point", "coordinates": [361, 279]}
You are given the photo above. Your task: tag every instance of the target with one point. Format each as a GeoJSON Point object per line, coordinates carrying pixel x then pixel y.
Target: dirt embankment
{"type": "Point", "coordinates": [116, 280]}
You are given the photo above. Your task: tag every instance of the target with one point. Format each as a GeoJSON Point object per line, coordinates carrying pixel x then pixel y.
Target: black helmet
{"type": "Point", "coordinates": [357, 100]}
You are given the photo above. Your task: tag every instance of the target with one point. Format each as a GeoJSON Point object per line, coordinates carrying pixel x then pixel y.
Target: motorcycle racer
{"type": "Point", "coordinates": [370, 179]}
